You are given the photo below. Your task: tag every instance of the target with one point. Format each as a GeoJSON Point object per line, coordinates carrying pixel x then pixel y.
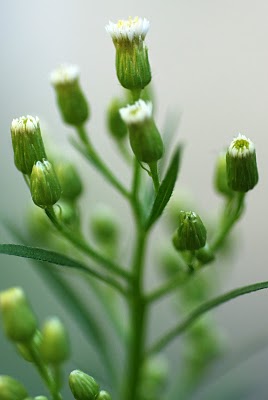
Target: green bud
{"type": "Point", "coordinates": [69, 179]}
{"type": "Point", "coordinates": [116, 125]}
{"type": "Point", "coordinates": [241, 164]}
{"type": "Point", "coordinates": [11, 389]}
{"type": "Point", "coordinates": [104, 225]}
{"type": "Point", "coordinates": [18, 319]}
{"type": "Point", "coordinates": [27, 143]}
{"type": "Point", "coordinates": [191, 233]}
{"type": "Point", "coordinates": [145, 139]}
{"type": "Point", "coordinates": [71, 100]}
{"type": "Point", "coordinates": [83, 386]}
{"type": "Point", "coordinates": [40, 398]}
{"type": "Point", "coordinates": [205, 255]}
{"type": "Point", "coordinates": [67, 213]}
{"type": "Point", "coordinates": [54, 347]}
{"type": "Point", "coordinates": [44, 184]}
{"type": "Point", "coordinates": [132, 62]}
{"type": "Point", "coordinates": [220, 177]}
{"type": "Point", "coordinates": [103, 395]}
{"type": "Point", "coordinates": [24, 349]}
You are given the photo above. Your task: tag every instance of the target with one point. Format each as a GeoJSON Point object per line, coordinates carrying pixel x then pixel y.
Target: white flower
{"type": "Point", "coordinates": [136, 113]}
{"type": "Point", "coordinates": [241, 146]}
{"type": "Point", "coordinates": [64, 74]}
{"type": "Point", "coordinates": [129, 29]}
{"type": "Point", "coordinates": [24, 124]}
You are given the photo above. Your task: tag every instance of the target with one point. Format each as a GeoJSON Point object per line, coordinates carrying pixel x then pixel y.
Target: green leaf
{"type": "Point", "coordinates": [52, 257]}
{"type": "Point", "coordinates": [165, 189]}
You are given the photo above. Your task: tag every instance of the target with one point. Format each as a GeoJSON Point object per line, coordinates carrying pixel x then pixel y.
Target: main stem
{"type": "Point", "coordinates": [138, 313]}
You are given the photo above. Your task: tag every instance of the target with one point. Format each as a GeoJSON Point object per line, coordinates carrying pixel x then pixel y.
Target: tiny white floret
{"type": "Point", "coordinates": [64, 74]}
{"type": "Point", "coordinates": [25, 124]}
{"type": "Point", "coordinates": [241, 146]}
{"type": "Point", "coordinates": [136, 113]}
{"type": "Point", "coordinates": [129, 29]}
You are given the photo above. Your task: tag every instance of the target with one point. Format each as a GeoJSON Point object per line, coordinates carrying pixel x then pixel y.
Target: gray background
{"type": "Point", "coordinates": [209, 61]}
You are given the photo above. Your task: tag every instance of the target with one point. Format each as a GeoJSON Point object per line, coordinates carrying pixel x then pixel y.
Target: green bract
{"type": "Point", "coordinates": [83, 386]}
{"type": "Point", "coordinates": [191, 233]}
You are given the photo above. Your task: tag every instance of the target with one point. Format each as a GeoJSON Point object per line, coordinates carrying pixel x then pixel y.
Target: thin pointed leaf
{"type": "Point", "coordinates": [166, 189]}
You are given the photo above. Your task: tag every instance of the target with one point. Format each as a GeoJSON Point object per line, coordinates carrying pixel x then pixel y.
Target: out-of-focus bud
{"type": "Point", "coordinates": [103, 395]}
{"type": "Point", "coordinates": [191, 233]}
{"type": "Point", "coordinates": [154, 375]}
{"type": "Point", "coordinates": [27, 143]}
{"type": "Point", "coordinates": [241, 164]}
{"type": "Point", "coordinates": [205, 255]}
{"type": "Point", "coordinates": [83, 386]}
{"type": "Point", "coordinates": [220, 177]}
{"type": "Point", "coordinates": [11, 389]}
{"type": "Point", "coordinates": [44, 184]}
{"type": "Point", "coordinates": [40, 398]}
{"type": "Point", "coordinates": [145, 139]}
{"type": "Point", "coordinates": [71, 100]}
{"type": "Point", "coordinates": [67, 213]}
{"type": "Point", "coordinates": [116, 125]}
{"type": "Point", "coordinates": [132, 62]}
{"type": "Point", "coordinates": [18, 319]}
{"type": "Point", "coordinates": [104, 225]}
{"type": "Point", "coordinates": [54, 346]}
{"type": "Point", "coordinates": [24, 349]}
{"type": "Point", "coordinates": [70, 182]}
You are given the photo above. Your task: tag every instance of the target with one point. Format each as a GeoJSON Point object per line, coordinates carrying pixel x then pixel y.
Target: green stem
{"type": "Point", "coordinates": [231, 214]}
{"type": "Point", "coordinates": [80, 243]}
{"type": "Point", "coordinates": [45, 373]}
{"type": "Point", "coordinates": [90, 153]}
{"type": "Point", "coordinates": [167, 287]}
{"type": "Point", "coordinates": [199, 311]}
{"type": "Point", "coordinates": [154, 174]}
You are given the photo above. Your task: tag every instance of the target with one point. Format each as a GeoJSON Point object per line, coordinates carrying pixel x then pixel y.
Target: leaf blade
{"type": "Point", "coordinates": [165, 189]}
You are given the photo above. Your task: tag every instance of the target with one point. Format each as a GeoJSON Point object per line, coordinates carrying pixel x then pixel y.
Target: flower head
{"type": "Point", "coordinates": [24, 124]}
{"type": "Point", "coordinates": [130, 29]}
{"type": "Point", "coordinates": [136, 113]}
{"type": "Point", "coordinates": [241, 146]}
{"type": "Point", "coordinates": [65, 74]}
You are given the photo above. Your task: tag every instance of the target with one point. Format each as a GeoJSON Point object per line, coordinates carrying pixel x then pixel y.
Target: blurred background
{"type": "Point", "coordinates": [209, 63]}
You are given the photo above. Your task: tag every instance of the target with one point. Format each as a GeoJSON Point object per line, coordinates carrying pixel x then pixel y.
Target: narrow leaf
{"type": "Point", "coordinates": [165, 189]}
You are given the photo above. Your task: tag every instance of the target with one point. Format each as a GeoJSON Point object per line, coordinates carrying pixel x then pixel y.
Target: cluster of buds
{"type": "Point", "coordinates": [30, 158]}
{"type": "Point", "coordinates": [51, 344]}
{"type": "Point", "coordinates": [84, 387]}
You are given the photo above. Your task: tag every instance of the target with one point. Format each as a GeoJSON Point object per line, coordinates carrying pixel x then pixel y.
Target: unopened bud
{"type": "Point", "coordinates": [40, 398]}
{"type": "Point", "coordinates": [104, 225]}
{"type": "Point", "coordinates": [27, 143]}
{"type": "Point", "coordinates": [69, 179]}
{"type": "Point", "coordinates": [103, 395]}
{"type": "Point", "coordinates": [83, 386]}
{"type": "Point", "coordinates": [241, 164]}
{"type": "Point", "coordinates": [145, 139]}
{"type": "Point", "coordinates": [45, 187]}
{"type": "Point", "coordinates": [132, 62]}
{"type": "Point", "coordinates": [220, 177]}
{"type": "Point", "coordinates": [54, 347]}
{"type": "Point", "coordinates": [24, 349]}
{"type": "Point", "coordinates": [191, 233]}
{"type": "Point", "coordinates": [18, 318]}
{"type": "Point", "coordinates": [116, 125]}
{"type": "Point", "coordinates": [11, 389]}
{"type": "Point", "coordinates": [71, 100]}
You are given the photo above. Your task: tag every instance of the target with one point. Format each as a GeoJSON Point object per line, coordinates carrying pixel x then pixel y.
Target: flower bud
{"type": "Point", "coordinates": [69, 179]}
{"type": "Point", "coordinates": [116, 125]}
{"type": "Point", "coordinates": [220, 177]}
{"type": "Point", "coordinates": [27, 143]}
{"type": "Point", "coordinates": [54, 347]}
{"type": "Point", "coordinates": [241, 164]}
{"type": "Point", "coordinates": [40, 398]}
{"type": "Point", "coordinates": [103, 395]}
{"type": "Point", "coordinates": [145, 139]}
{"type": "Point", "coordinates": [104, 225]}
{"type": "Point", "coordinates": [11, 389]}
{"type": "Point", "coordinates": [44, 184]}
{"type": "Point", "coordinates": [132, 62]}
{"type": "Point", "coordinates": [18, 319]}
{"type": "Point", "coordinates": [205, 255]}
{"type": "Point", "coordinates": [71, 100]}
{"type": "Point", "coordinates": [83, 386]}
{"type": "Point", "coordinates": [191, 233]}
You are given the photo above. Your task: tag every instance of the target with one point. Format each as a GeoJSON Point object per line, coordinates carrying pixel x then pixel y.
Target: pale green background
{"type": "Point", "coordinates": [209, 61]}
